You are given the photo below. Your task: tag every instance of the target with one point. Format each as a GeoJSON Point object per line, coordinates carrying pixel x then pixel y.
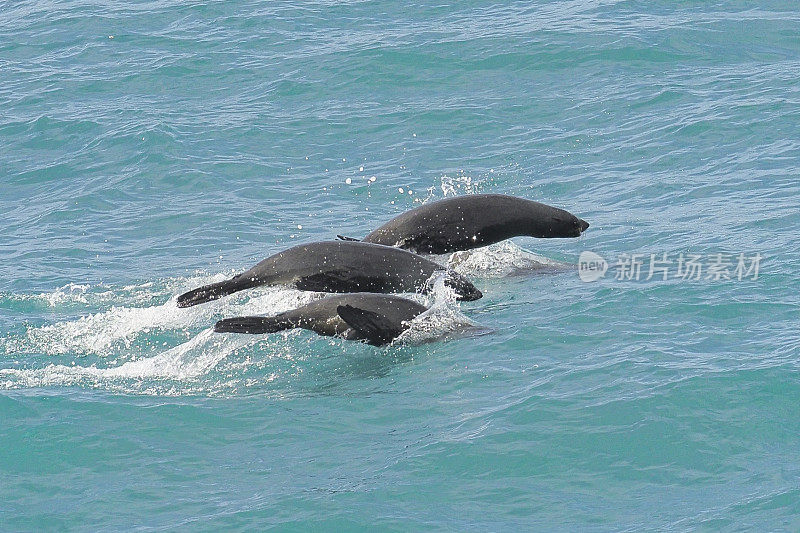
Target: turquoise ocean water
{"type": "Point", "coordinates": [149, 147]}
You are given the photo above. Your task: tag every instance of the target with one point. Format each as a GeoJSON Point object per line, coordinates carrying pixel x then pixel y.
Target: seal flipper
{"type": "Point", "coordinates": [204, 294]}
{"type": "Point", "coordinates": [215, 291]}
{"type": "Point", "coordinates": [253, 324]}
{"type": "Point", "coordinates": [375, 328]}
{"type": "Point", "coordinates": [345, 238]}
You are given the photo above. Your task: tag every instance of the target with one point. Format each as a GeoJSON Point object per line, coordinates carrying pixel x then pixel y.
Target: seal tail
{"type": "Point", "coordinates": [253, 324]}
{"type": "Point", "coordinates": [214, 291]}
{"type": "Point", "coordinates": [375, 328]}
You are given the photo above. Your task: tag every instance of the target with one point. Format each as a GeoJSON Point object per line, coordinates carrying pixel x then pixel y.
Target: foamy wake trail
{"type": "Point", "coordinates": [501, 260]}
{"type": "Point", "coordinates": [187, 361]}
{"type": "Point", "coordinates": [117, 328]}
{"type": "Point", "coordinates": [98, 334]}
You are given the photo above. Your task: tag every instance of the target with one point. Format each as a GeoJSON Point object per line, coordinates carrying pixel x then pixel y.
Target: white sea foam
{"type": "Point", "coordinates": [100, 333]}
{"type": "Point", "coordinates": [500, 260]}
{"type": "Point", "coordinates": [71, 292]}
{"type": "Point", "coordinates": [115, 329]}
{"type": "Point", "coordinates": [185, 362]}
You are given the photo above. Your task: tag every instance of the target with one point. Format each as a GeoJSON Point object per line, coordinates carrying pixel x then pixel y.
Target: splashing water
{"type": "Point", "coordinates": [122, 336]}
{"type": "Point", "coordinates": [501, 260]}
{"type": "Point", "coordinates": [460, 184]}
{"type": "Point", "coordinates": [452, 186]}
{"type": "Point", "coordinates": [128, 335]}
{"type": "Point", "coordinates": [443, 319]}
{"type": "Point", "coordinates": [128, 343]}
{"type": "Point", "coordinates": [184, 362]}
{"type": "Point", "coordinates": [108, 332]}
{"type": "Point", "coordinates": [118, 343]}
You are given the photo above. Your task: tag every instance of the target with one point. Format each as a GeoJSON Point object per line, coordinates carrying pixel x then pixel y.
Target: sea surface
{"type": "Point", "coordinates": [148, 147]}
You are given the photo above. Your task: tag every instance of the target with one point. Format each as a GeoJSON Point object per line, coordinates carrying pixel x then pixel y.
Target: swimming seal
{"type": "Point", "coordinates": [338, 266]}
{"type": "Point", "coordinates": [377, 319]}
{"type": "Point", "coordinates": [471, 221]}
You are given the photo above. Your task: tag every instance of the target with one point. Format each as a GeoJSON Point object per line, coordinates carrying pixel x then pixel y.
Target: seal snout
{"type": "Point", "coordinates": [582, 225]}
{"type": "Point", "coordinates": [470, 296]}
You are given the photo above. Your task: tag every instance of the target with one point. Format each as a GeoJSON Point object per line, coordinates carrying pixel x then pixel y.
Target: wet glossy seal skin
{"type": "Point", "coordinates": [466, 222]}
{"type": "Point", "coordinates": [338, 266]}
{"type": "Point", "coordinates": [376, 318]}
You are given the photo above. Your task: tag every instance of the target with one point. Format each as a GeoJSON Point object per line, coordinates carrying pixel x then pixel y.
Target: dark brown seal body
{"type": "Point", "coordinates": [338, 266]}
{"type": "Point", "coordinates": [376, 318]}
{"type": "Point", "coordinates": [471, 221]}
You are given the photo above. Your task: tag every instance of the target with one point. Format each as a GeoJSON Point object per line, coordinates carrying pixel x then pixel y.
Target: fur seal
{"type": "Point", "coordinates": [376, 318]}
{"type": "Point", "coordinates": [472, 221]}
{"type": "Point", "coordinates": [338, 266]}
